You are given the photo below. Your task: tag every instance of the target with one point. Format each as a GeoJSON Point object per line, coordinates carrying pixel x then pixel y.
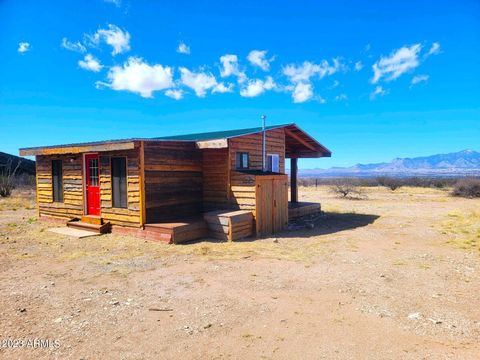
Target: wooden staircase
{"type": "Point", "coordinates": [90, 223]}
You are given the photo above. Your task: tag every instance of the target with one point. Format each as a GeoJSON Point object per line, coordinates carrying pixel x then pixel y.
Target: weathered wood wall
{"type": "Point", "coordinates": [179, 180]}
{"type": "Point", "coordinates": [252, 144]}
{"type": "Point", "coordinates": [129, 216]}
{"type": "Point", "coordinates": [173, 180]}
{"type": "Point", "coordinates": [215, 179]}
{"type": "Point", "coordinates": [242, 186]}
{"type": "Point", "coordinates": [72, 205]}
{"type": "Point", "coordinates": [73, 188]}
{"type": "Point", "coordinates": [242, 191]}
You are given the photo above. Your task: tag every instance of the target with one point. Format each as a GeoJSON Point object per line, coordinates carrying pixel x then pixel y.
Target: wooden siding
{"type": "Point", "coordinates": [73, 188]}
{"type": "Point", "coordinates": [129, 216]}
{"type": "Point", "coordinates": [215, 179]}
{"type": "Point", "coordinates": [252, 144]}
{"type": "Point", "coordinates": [242, 185]}
{"type": "Point", "coordinates": [72, 205]}
{"type": "Point", "coordinates": [242, 191]}
{"type": "Point", "coordinates": [173, 180]}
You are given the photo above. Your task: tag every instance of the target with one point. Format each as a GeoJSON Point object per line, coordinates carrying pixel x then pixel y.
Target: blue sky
{"type": "Point", "coordinates": [371, 80]}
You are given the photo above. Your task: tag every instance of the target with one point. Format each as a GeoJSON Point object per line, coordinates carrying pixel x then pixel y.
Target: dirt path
{"type": "Point", "coordinates": [395, 276]}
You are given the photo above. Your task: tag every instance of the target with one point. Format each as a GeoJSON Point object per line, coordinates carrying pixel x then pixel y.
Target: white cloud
{"type": "Point", "coordinates": [341, 97]}
{"type": "Point", "coordinates": [118, 39]}
{"type": "Point", "coordinates": [138, 77]}
{"type": "Point", "coordinates": [358, 66]}
{"type": "Point", "coordinates": [435, 49]}
{"type": "Point", "coordinates": [335, 84]}
{"type": "Point", "coordinates": [301, 76]}
{"type": "Point", "coordinates": [397, 63]}
{"type": "Point", "coordinates": [378, 91]}
{"type": "Point", "coordinates": [221, 88]}
{"type": "Point", "coordinates": [307, 70]}
{"type": "Point", "coordinates": [90, 63]}
{"type": "Point", "coordinates": [117, 3]}
{"type": "Point", "coordinates": [257, 58]}
{"type": "Point", "coordinates": [23, 47]}
{"type": "Point", "coordinates": [302, 92]}
{"type": "Point", "coordinates": [419, 78]}
{"type": "Point", "coordinates": [176, 94]}
{"type": "Point", "coordinates": [230, 67]}
{"type": "Point", "coordinates": [257, 87]}
{"type": "Point", "coordinates": [73, 46]}
{"type": "Point", "coordinates": [183, 48]}
{"type": "Point", "coordinates": [200, 82]}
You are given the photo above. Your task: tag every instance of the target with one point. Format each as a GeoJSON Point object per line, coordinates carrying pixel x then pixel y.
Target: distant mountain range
{"type": "Point", "coordinates": [26, 166]}
{"type": "Point", "coordinates": [466, 162]}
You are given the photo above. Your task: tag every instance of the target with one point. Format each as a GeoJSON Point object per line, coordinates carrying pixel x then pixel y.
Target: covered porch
{"type": "Point", "coordinates": [300, 145]}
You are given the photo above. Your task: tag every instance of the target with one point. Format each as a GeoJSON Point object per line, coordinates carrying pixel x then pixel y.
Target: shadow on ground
{"type": "Point", "coordinates": [324, 224]}
{"type": "Point", "coordinates": [329, 223]}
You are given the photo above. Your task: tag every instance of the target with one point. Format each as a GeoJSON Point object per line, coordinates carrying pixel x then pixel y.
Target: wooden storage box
{"type": "Point", "coordinates": [229, 225]}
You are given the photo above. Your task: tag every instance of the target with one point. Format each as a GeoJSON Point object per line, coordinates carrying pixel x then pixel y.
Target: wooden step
{"type": "Point", "coordinates": [229, 225]}
{"type": "Point", "coordinates": [92, 219]}
{"type": "Point", "coordinates": [100, 229]}
{"type": "Point", "coordinates": [179, 231]}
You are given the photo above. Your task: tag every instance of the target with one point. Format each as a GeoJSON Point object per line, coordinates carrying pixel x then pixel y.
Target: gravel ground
{"type": "Point", "coordinates": [392, 276]}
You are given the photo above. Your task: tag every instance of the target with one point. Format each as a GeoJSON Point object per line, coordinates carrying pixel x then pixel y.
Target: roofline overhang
{"type": "Point", "coordinates": [128, 144]}
{"type": "Point", "coordinates": [80, 148]}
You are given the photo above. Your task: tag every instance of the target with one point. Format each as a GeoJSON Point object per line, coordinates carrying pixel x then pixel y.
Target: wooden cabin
{"type": "Point", "coordinates": [177, 188]}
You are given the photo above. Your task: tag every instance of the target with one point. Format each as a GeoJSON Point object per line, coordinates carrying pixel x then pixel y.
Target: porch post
{"type": "Point", "coordinates": [293, 180]}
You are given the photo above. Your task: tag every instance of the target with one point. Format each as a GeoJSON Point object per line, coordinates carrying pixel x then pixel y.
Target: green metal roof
{"type": "Point", "coordinates": [218, 134]}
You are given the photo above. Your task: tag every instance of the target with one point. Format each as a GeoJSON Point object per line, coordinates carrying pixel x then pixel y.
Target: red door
{"type": "Point", "coordinates": [92, 184]}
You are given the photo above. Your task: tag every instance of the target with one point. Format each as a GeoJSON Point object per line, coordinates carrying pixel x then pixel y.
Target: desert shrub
{"type": "Point", "coordinates": [389, 182]}
{"type": "Point", "coordinates": [468, 187]}
{"type": "Point", "coordinates": [6, 187]}
{"type": "Point", "coordinates": [347, 188]}
{"type": "Point", "coordinates": [7, 176]}
{"type": "Point", "coordinates": [386, 181]}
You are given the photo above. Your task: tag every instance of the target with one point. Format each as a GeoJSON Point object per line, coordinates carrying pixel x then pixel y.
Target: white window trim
{"type": "Point", "coordinates": [275, 156]}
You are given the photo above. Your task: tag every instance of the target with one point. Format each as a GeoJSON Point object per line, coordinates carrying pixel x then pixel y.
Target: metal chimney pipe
{"type": "Point", "coordinates": [264, 141]}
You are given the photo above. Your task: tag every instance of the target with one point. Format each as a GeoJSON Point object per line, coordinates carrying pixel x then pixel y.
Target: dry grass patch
{"type": "Point", "coordinates": [18, 200]}
{"type": "Point", "coordinates": [463, 229]}
{"type": "Point", "coordinates": [281, 249]}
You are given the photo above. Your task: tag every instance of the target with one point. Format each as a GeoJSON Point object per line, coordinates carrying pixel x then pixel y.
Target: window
{"type": "Point", "coordinates": [57, 180]}
{"type": "Point", "coordinates": [242, 160]}
{"type": "Point", "coordinates": [273, 163]}
{"type": "Point", "coordinates": [119, 182]}
{"type": "Point", "coordinates": [93, 171]}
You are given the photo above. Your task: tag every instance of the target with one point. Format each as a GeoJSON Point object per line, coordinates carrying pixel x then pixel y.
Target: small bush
{"type": "Point", "coordinates": [6, 178]}
{"type": "Point", "coordinates": [468, 188]}
{"type": "Point", "coordinates": [6, 188]}
{"type": "Point", "coordinates": [389, 182]}
{"type": "Point", "coordinates": [346, 188]}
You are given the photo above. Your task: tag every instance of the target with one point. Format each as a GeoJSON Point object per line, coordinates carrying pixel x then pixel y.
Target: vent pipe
{"type": "Point", "coordinates": [264, 141]}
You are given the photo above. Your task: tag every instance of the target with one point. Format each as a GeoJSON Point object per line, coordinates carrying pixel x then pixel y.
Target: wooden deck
{"type": "Point", "coordinates": [179, 231]}
{"type": "Point", "coordinates": [302, 209]}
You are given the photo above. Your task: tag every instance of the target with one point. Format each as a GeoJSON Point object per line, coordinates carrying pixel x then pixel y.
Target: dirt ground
{"type": "Point", "coordinates": [393, 276]}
